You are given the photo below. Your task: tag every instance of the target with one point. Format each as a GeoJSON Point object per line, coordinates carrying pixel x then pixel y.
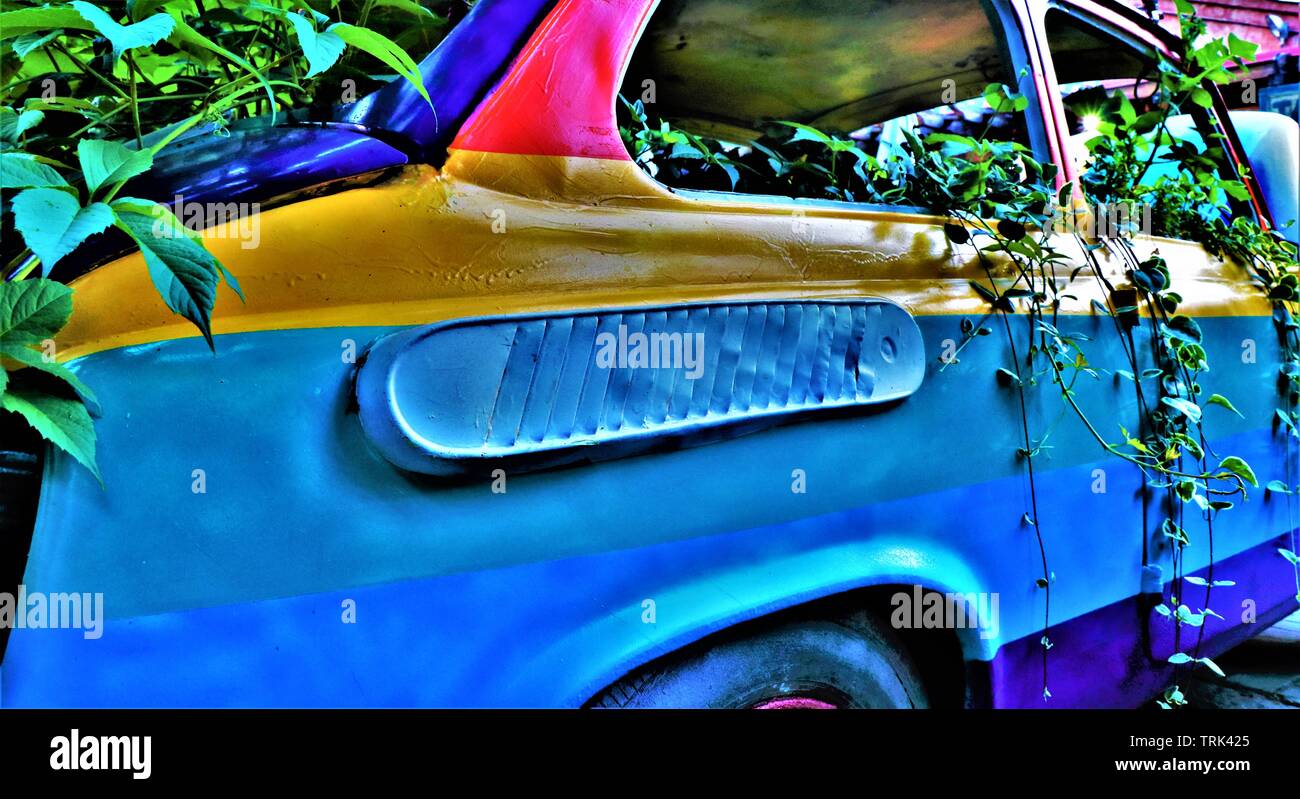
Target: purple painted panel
{"type": "Point", "coordinates": [458, 74]}
{"type": "Point", "coordinates": [1106, 659]}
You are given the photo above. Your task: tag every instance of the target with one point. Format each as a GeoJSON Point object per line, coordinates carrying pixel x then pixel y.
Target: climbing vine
{"type": "Point", "coordinates": [92, 93]}
{"type": "Point", "coordinates": [1004, 205]}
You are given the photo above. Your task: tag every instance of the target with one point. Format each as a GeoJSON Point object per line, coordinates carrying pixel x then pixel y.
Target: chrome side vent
{"type": "Point", "coordinates": [535, 391]}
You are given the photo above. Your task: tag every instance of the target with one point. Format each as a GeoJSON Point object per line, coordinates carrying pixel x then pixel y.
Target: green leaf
{"type": "Point", "coordinates": [321, 49]}
{"type": "Point", "coordinates": [408, 5]}
{"type": "Point", "coordinates": [1011, 230]}
{"type": "Point", "coordinates": [36, 360]}
{"type": "Point", "coordinates": [139, 9]}
{"type": "Point", "coordinates": [185, 274]}
{"type": "Point", "coordinates": [1179, 658]}
{"type": "Point", "coordinates": [1219, 399]}
{"type": "Point", "coordinates": [107, 163]}
{"type": "Point", "coordinates": [1002, 99]}
{"type": "Point", "coordinates": [22, 171]}
{"type": "Point", "coordinates": [231, 281]}
{"type": "Point", "coordinates": [26, 21]}
{"type": "Point", "coordinates": [14, 123]}
{"type": "Point", "coordinates": [63, 422]}
{"type": "Point", "coordinates": [383, 49]}
{"type": "Point", "coordinates": [1240, 48]}
{"type": "Point", "coordinates": [1240, 468]}
{"type": "Point", "coordinates": [144, 33]}
{"type": "Point", "coordinates": [186, 36]}
{"type": "Point", "coordinates": [1212, 666]}
{"type": "Point", "coordinates": [984, 292]}
{"type": "Point", "coordinates": [1235, 189]}
{"type": "Point", "coordinates": [804, 132]}
{"type": "Point", "coordinates": [33, 310]}
{"type": "Point", "coordinates": [1202, 98]}
{"type": "Point", "coordinates": [1185, 407]}
{"type": "Point", "coordinates": [956, 233]}
{"type": "Point", "coordinates": [1184, 328]}
{"type": "Point", "coordinates": [1278, 486]}
{"type": "Point", "coordinates": [25, 44]}
{"type": "Point", "coordinates": [52, 222]}
{"type": "Point", "coordinates": [1291, 557]}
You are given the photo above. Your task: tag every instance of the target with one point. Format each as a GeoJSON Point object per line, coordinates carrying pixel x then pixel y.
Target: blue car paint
{"type": "Point", "coordinates": [533, 597]}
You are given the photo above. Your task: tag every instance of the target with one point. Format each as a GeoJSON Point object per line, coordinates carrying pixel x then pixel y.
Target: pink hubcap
{"type": "Point", "coordinates": [794, 703]}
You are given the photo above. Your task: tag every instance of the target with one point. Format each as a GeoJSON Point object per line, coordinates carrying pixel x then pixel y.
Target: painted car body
{"type": "Point", "coordinates": [470, 597]}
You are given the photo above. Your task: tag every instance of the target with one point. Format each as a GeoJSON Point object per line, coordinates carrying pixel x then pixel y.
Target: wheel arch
{"type": "Point", "coordinates": [863, 576]}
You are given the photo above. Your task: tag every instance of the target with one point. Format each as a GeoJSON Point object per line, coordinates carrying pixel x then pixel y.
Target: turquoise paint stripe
{"type": "Point", "coordinates": [552, 633]}
{"type": "Point", "coordinates": [297, 503]}
{"type": "Point", "coordinates": [533, 596]}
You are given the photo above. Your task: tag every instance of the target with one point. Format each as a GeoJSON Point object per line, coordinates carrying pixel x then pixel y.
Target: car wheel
{"type": "Point", "coordinates": [804, 664]}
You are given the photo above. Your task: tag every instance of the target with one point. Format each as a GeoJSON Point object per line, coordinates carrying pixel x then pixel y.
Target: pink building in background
{"type": "Point", "coordinates": [1273, 24]}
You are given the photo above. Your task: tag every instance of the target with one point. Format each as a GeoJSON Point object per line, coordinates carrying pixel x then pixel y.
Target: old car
{"type": "Point", "coordinates": [507, 421]}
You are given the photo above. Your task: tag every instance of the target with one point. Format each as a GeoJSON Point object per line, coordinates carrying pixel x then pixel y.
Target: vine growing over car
{"type": "Point", "coordinates": [1004, 205]}
{"type": "Point", "coordinates": [91, 94]}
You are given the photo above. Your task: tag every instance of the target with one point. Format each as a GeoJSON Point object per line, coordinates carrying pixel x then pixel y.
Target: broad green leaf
{"type": "Point", "coordinates": [384, 49]}
{"type": "Point", "coordinates": [1278, 486]}
{"type": "Point", "coordinates": [164, 223]}
{"type": "Point", "coordinates": [15, 123]}
{"type": "Point", "coordinates": [21, 171]}
{"type": "Point", "coordinates": [63, 422]}
{"type": "Point", "coordinates": [1240, 468]}
{"type": "Point", "coordinates": [321, 49]}
{"type": "Point", "coordinates": [107, 163]}
{"type": "Point", "coordinates": [1219, 399]}
{"type": "Point", "coordinates": [1235, 189]}
{"type": "Point", "coordinates": [53, 223]}
{"type": "Point", "coordinates": [36, 360]}
{"type": "Point", "coordinates": [1185, 407]}
{"type": "Point", "coordinates": [33, 310]}
{"type": "Point", "coordinates": [25, 21]}
{"type": "Point", "coordinates": [144, 33]}
{"type": "Point", "coordinates": [28, 42]}
{"type": "Point", "coordinates": [1180, 657]}
{"type": "Point", "coordinates": [185, 274]}
{"type": "Point", "coordinates": [1240, 48]}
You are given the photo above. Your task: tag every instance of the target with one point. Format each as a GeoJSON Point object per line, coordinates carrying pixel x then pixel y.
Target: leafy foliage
{"type": "Point", "coordinates": [92, 92]}
{"type": "Point", "coordinates": [1000, 201]}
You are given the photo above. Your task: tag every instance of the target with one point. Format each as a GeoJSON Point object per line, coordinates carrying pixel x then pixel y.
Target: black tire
{"type": "Point", "coordinates": [855, 662]}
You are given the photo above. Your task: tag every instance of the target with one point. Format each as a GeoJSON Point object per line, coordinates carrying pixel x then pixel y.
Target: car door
{"type": "Point", "coordinates": [1236, 548]}
{"type": "Point", "coordinates": [935, 488]}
